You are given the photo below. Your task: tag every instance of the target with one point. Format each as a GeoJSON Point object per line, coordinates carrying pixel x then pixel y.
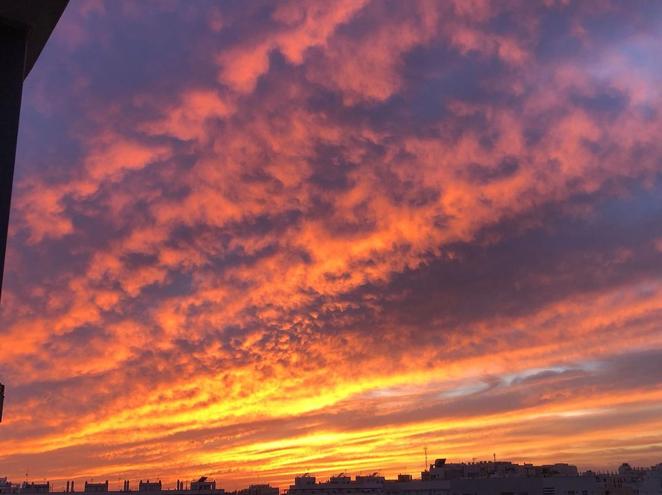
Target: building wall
{"type": "Point", "coordinates": [556, 485]}
{"type": "Point", "coordinates": [652, 482]}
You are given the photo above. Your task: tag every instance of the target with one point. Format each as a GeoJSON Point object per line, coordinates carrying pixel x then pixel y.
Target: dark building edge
{"type": "Point", "coordinates": [25, 27]}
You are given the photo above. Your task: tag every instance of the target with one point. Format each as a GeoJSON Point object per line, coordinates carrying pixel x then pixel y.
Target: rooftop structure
{"type": "Point", "coordinates": [203, 485]}
{"type": "Point", "coordinates": [35, 487]}
{"type": "Point", "coordinates": [149, 486]}
{"type": "Point", "coordinates": [7, 487]}
{"type": "Point", "coordinates": [441, 470]}
{"type": "Point", "coordinates": [96, 487]}
{"type": "Point", "coordinates": [490, 478]}
{"type": "Point", "coordinates": [261, 489]}
{"type": "Point", "coordinates": [475, 478]}
{"type": "Point", "coordinates": [371, 484]}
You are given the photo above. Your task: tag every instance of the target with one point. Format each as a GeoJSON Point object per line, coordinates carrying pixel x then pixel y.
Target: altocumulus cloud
{"type": "Point", "coordinates": [253, 239]}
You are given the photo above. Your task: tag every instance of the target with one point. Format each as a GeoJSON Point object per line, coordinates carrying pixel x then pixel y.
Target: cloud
{"type": "Point", "coordinates": [321, 236]}
{"type": "Point", "coordinates": [292, 28]}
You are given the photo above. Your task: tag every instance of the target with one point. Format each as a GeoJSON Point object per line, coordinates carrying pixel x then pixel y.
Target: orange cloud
{"type": "Point", "coordinates": [426, 224]}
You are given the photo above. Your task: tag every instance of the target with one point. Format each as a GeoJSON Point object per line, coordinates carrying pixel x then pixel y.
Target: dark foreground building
{"type": "Point", "coordinates": [25, 26]}
{"type": "Point", "coordinates": [490, 478]}
{"type": "Point", "coordinates": [441, 478]}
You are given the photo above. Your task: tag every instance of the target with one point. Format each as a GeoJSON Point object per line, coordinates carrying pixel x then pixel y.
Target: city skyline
{"type": "Point", "coordinates": [254, 239]}
{"type": "Point", "coordinates": [439, 470]}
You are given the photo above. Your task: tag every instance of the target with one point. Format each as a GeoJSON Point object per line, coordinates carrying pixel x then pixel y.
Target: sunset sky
{"type": "Point", "coordinates": [253, 239]}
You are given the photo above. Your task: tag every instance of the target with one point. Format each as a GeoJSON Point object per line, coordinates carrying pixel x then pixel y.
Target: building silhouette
{"type": "Point", "coordinates": [441, 478]}
{"type": "Point", "coordinates": [25, 27]}
{"type": "Point", "coordinates": [490, 478]}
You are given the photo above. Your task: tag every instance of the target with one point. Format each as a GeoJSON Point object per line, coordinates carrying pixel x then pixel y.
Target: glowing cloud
{"type": "Point", "coordinates": [260, 239]}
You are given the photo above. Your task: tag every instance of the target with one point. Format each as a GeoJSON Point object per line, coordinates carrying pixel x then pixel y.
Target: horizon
{"type": "Point", "coordinates": [253, 239]}
{"type": "Point", "coordinates": [171, 483]}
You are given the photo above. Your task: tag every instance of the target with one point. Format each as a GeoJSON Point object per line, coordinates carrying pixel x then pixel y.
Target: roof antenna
{"type": "Point", "coordinates": [425, 449]}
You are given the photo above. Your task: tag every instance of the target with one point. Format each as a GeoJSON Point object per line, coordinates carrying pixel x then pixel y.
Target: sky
{"type": "Point", "coordinates": [254, 239]}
